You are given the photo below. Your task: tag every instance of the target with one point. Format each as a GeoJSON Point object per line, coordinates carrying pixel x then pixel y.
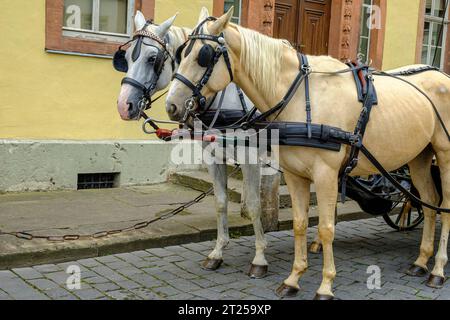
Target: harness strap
{"type": "Point", "coordinates": [306, 69]}
{"type": "Point", "coordinates": [286, 99]}
{"type": "Point", "coordinates": [241, 99]}
{"type": "Point", "coordinates": [359, 132]}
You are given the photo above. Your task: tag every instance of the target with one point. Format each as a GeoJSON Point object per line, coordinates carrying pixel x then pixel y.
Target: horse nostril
{"type": "Point", "coordinates": [130, 106]}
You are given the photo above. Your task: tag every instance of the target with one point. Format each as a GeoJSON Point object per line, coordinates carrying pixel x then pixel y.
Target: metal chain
{"type": "Point", "coordinates": [102, 234]}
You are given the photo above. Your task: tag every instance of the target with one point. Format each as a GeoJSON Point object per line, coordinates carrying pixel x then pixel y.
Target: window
{"type": "Point", "coordinates": [365, 31]}
{"type": "Point", "coordinates": [434, 33]}
{"type": "Point", "coordinates": [98, 19]}
{"type": "Point", "coordinates": [237, 9]}
{"type": "Point", "coordinates": [91, 27]}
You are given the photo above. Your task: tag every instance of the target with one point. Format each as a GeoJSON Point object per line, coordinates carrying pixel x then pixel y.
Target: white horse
{"type": "Point", "coordinates": [142, 70]}
{"type": "Point", "coordinates": [403, 129]}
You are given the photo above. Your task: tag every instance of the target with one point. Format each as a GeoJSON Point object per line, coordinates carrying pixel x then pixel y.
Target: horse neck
{"type": "Point", "coordinates": [287, 74]}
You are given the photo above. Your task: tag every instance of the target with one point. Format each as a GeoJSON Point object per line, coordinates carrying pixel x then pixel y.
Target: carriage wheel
{"type": "Point", "coordinates": [407, 219]}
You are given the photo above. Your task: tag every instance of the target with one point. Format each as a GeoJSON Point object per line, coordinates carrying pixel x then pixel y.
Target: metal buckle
{"type": "Point", "coordinates": [189, 106]}
{"type": "Point", "coordinates": [306, 69]}
{"type": "Point", "coordinates": [355, 140]}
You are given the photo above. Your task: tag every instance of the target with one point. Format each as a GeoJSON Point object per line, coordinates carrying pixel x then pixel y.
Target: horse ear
{"type": "Point", "coordinates": [204, 13]}
{"type": "Point", "coordinates": [139, 20]}
{"type": "Point", "coordinates": [220, 24]}
{"type": "Point", "coordinates": [164, 27]}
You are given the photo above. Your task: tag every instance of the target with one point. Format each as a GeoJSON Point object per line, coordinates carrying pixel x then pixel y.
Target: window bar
{"type": "Point", "coordinates": [96, 15]}
{"type": "Point", "coordinates": [130, 20]}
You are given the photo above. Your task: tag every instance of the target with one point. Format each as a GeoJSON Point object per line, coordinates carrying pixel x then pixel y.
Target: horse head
{"type": "Point", "coordinates": [148, 62]}
{"type": "Point", "coordinates": [205, 67]}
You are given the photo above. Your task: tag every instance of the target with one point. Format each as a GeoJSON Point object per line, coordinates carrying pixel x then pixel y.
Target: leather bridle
{"type": "Point", "coordinates": [220, 51]}
{"type": "Point", "coordinates": [148, 87]}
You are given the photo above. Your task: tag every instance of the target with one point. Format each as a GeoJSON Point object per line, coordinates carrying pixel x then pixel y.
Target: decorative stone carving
{"type": "Point", "coordinates": [346, 30]}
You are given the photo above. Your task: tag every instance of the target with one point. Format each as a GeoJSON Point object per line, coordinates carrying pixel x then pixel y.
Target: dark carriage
{"type": "Point", "coordinates": [377, 196]}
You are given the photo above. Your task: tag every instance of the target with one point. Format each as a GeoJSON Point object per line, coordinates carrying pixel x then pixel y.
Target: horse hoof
{"type": "Point", "coordinates": [435, 282]}
{"type": "Point", "coordinates": [416, 271]}
{"type": "Point", "coordinates": [285, 291]}
{"type": "Point", "coordinates": [315, 248]}
{"type": "Point", "coordinates": [212, 264]}
{"type": "Point", "coordinates": [257, 272]}
{"type": "Point", "coordinates": [323, 297]}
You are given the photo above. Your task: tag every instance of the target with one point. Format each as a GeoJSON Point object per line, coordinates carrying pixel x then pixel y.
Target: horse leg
{"type": "Point", "coordinates": [218, 173]}
{"type": "Point", "coordinates": [252, 176]}
{"type": "Point", "coordinates": [326, 181]}
{"type": "Point", "coordinates": [316, 245]}
{"type": "Point", "coordinates": [437, 277]}
{"type": "Point", "coordinates": [423, 181]}
{"type": "Point", "coordinates": [299, 189]}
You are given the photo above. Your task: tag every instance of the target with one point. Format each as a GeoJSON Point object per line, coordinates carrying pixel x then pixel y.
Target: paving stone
{"type": "Point", "coordinates": [60, 294]}
{"type": "Point", "coordinates": [118, 265]}
{"type": "Point", "coordinates": [95, 280]}
{"type": "Point", "coordinates": [146, 294]}
{"type": "Point", "coordinates": [88, 294]}
{"type": "Point", "coordinates": [122, 295]}
{"type": "Point", "coordinates": [108, 273]}
{"type": "Point", "coordinates": [128, 284]}
{"type": "Point", "coordinates": [147, 281]}
{"type": "Point", "coordinates": [59, 277]}
{"type": "Point", "coordinates": [47, 268]}
{"type": "Point", "coordinates": [90, 263]}
{"type": "Point", "coordinates": [7, 274]}
{"type": "Point", "coordinates": [175, 273]}
{"type": "Point", "coordinates": [166, 292]}
{"type": "Point", "coordinates": [28, 273]}
{"type": "Point", "coordinates": [128, 257]}
{"type": "Point", "coordinates": [105, 287]}
{"type": "Point", "coordinates": [129, 271]}
{"type": "Point", "coordinates": [44, 284]}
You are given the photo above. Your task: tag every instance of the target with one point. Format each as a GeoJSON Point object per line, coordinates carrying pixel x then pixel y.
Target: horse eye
{"type": "Point", "coordinates": [152, 59]}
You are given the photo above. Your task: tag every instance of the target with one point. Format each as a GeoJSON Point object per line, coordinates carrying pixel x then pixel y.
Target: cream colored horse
{"type": "Point", "coordinates": [403, 129]}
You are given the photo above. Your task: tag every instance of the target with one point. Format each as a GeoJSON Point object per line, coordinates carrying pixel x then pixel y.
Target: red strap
{"type": "Point", "coordinates": [163, 133]}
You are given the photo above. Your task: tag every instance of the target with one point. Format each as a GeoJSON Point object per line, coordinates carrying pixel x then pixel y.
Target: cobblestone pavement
{"type": "Point", "coordinates": [174, 272]}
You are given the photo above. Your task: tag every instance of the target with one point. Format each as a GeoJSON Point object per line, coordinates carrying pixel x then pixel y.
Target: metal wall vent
{"type": "Point", "coordinates": [97, 180]}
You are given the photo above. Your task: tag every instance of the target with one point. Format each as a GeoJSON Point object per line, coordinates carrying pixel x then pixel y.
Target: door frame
{"type": "Point", "coordinates": [344, 20]}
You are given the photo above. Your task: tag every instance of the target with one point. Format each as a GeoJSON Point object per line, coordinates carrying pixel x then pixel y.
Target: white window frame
{"type": "Point", "coordinates": [367, 8]}
{"type": "Point", "coordinates": [96, 34]}
{"type": "Point", "coordinates": [240, 13]}
{"type": "Point", "coordinates": [433, 19]}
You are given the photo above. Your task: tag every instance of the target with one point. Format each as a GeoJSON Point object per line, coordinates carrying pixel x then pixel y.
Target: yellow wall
{"type": "Point", "coordinates": [54, 96]}
{"type": "Point", "coordinates": [188, 10]}
{"type": "Point", "coordinates": [401, 33]}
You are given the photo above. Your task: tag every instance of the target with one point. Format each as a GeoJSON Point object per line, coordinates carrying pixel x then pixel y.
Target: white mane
{"type": "Point", "coordinates": [261, 58]}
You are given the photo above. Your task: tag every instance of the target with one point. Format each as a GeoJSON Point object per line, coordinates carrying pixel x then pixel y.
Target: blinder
{"type": "Point", "coordinates": [206, 56]}
{"type": "Point", "coordinates": [119, 61]}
